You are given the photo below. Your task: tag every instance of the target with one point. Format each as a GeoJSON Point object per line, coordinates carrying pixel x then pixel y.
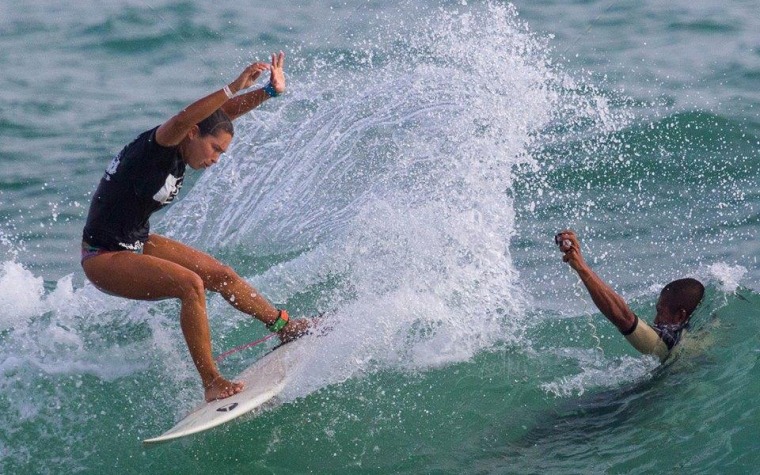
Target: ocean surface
{"type": "Point", "coordinates": [409, 184]}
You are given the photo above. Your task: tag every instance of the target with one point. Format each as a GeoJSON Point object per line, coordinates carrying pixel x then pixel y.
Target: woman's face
{"type": "Point", "coordinates": [201, 151]}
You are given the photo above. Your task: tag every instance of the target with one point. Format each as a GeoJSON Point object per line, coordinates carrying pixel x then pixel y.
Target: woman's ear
{"type": "Point", "coordinates": [194, 132]}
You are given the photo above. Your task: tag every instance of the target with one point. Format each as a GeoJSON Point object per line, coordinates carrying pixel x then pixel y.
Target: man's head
{"type": "Point", "coordinates": [678, 300]}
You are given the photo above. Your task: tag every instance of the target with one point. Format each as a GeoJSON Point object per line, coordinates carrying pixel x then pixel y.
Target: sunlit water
{"type": "Point", "coordinates": [409, 184]}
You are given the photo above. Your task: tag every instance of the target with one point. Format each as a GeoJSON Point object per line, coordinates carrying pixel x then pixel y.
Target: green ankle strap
{"type": "Point", "coordinates": [279, 324]}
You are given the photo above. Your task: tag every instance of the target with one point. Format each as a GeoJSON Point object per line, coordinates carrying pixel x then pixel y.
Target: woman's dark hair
{"type": "Point", "coordinates": [216, 122]}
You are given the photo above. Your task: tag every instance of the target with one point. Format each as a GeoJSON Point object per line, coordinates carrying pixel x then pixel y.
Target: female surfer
{"type": "Point", "coordinates": [121, 257]}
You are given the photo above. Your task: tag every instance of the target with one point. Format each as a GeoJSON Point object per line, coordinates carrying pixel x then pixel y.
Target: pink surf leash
{"type": "Point", "coordinates": [243, 347]}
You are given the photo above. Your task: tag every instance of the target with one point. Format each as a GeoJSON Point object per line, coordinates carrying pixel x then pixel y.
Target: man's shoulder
{"type": "Point", "coordinates": [647, 340]}
{"type": "Point", "coordinates": [669, 334]}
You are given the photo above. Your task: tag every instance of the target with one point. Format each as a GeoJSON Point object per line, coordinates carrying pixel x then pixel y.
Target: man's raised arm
{"type": "Point", "coordinates": [611, 304]}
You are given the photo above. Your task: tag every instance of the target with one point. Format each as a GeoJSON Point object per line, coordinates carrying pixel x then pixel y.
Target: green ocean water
{"type": "Point", "coordinates": [409, 183]}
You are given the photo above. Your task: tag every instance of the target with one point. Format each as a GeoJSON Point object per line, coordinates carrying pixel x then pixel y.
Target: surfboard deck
{"type": "Point", "coordinates": [263, 380]}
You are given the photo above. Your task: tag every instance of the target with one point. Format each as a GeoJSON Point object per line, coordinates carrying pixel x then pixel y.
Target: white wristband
{"type": "Point", "coordinates": [228, 92]}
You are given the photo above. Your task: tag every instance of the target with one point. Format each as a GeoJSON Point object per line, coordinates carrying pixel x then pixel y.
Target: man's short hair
{"type": "Point", "coordinates": [683, 294]}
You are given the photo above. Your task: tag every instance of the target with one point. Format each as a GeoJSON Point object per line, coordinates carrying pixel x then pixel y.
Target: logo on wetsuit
{"type": "Point", "coordinates": [169, 191]}
{"type": "Point", "coordinates": [111, 170]}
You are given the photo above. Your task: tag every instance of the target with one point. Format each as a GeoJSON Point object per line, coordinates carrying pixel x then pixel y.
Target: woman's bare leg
{"type": "Point", "coordinates": [216, 276]}
{"type": "Point", "coordinates": [220, 278]}
{"type": "Point", "coordinates": [145, 277]}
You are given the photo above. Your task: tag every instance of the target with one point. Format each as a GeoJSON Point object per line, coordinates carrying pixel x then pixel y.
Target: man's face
{"type": "Point", "coordinates": [665, 316]}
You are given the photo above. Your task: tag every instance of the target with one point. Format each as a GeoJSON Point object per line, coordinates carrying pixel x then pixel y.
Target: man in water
{"type": "Point", "coordinates": [675, 306]}
{"type": "Point", "coordinates": [121, 257]}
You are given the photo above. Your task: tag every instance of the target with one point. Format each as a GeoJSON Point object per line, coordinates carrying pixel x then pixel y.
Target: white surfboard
{"type": "Point", "coordinates": [263, 380]}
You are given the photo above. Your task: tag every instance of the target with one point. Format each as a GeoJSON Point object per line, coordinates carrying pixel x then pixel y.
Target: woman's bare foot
{"type": "Point", "coordinates": [295, 329]}
{"type": "Point", "coordinates": [221, 388]}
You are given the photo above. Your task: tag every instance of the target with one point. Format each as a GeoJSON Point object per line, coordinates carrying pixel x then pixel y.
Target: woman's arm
{"type": "Point", "coordinates": [244, 103]}
{"type": "Point", "coordinates": [174, 130]}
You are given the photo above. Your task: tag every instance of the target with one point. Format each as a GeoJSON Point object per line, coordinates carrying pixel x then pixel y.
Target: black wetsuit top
{"type": "Point", "coordinates": [141, 179]}
{"type": "Point", "coordinates": [670, 334]}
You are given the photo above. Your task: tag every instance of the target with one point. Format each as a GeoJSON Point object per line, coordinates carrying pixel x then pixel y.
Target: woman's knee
{"type": "Point", "coordinates": [220, 277]}
{"type": "Point", "coordinates": [192, 287]}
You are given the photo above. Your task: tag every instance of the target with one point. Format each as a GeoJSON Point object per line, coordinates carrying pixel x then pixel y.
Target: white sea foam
{"type": "Point", "coordinates": [397, 187]}
{"type": "Point", "coordinates": [727, 276]}
{"type": "Point", "coordinates": [21, 295]}
{"type": "Point", "coordinates": [50, 330]}
{"type": "Point", "coordinates": [597, 371]}
{"type": "Point", "coordinates": [397, 190]}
